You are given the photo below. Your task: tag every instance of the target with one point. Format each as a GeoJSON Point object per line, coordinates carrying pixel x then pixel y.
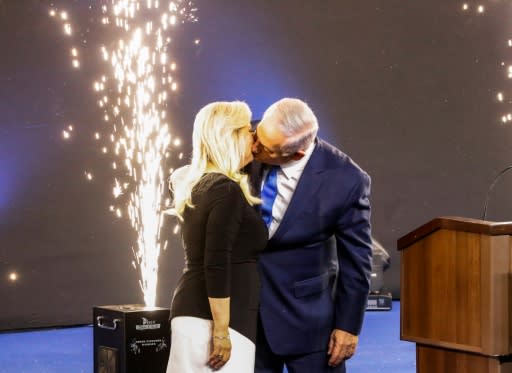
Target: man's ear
{"type": "Point", "coordinates": [298, 155]}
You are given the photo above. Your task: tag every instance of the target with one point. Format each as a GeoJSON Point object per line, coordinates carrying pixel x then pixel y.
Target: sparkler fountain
{"type": "Point", "coordinates": [133, 96]}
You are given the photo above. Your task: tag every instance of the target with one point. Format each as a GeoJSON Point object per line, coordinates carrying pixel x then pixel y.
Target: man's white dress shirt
{"type": "Point", "coordinates": [288, 176]}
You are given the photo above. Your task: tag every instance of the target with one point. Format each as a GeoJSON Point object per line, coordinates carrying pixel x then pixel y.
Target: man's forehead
{"type": "Point", "coordinates": [269, 135]}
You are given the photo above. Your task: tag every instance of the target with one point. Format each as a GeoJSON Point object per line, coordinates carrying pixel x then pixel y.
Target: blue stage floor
{"type": "Point", "coordinates": [69, 350]}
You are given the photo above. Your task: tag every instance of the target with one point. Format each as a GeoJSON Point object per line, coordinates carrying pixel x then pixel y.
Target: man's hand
{"type": "Point", "coordinates": [342, 345]}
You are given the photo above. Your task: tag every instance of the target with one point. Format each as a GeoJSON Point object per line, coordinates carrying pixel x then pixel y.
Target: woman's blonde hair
{"type": "Point", "coordinates": [218, 145]}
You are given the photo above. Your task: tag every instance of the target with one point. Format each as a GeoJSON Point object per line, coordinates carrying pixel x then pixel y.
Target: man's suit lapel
{"type": "Point", "coordinates": [306, 189]}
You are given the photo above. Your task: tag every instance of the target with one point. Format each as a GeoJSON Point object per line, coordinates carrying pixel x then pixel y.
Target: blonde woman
{"type": "Point", "coordinates": [215, 305]}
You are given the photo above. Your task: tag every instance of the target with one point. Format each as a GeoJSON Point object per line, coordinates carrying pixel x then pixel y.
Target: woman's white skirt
{"type": "Point", "coordinates": [190, 348]}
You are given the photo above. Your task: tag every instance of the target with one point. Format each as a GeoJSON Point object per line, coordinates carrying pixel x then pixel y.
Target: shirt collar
{"type": "Point", "coordinates": [295, 168]}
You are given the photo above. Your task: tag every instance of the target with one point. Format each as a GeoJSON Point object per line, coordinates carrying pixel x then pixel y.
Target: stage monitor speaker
{"type": "Point", "coordinates": [378, 301]}
{"type": "Point", "coordinates": [131, 339]}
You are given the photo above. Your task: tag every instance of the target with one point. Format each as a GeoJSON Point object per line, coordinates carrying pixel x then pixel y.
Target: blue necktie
{"type": "Point", "coordinates": [268, 194]}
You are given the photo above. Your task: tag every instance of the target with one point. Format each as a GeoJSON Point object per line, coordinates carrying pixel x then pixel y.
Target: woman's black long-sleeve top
{"type": "Point", "coordinates": [222, 236]}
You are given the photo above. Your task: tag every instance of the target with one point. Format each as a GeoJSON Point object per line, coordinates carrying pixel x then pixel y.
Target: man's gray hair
{"type": "Point", "coordinates": [296, 121]}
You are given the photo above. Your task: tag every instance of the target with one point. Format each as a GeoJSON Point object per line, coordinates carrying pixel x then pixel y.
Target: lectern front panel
{"type": "Point", "coordinates": [441, 290]}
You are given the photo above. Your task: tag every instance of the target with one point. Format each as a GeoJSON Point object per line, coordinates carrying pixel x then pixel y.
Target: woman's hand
{"type": "Point", "coordinates": [220, 350]}
{"type": "Point", "coordinates": [220, 345]}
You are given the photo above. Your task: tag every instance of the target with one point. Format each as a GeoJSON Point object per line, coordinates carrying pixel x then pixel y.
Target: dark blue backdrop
{"type": "Point", "coordinates": [408, 89]}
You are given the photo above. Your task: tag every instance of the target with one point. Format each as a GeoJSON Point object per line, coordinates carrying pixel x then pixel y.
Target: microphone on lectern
{"type": "Point", "coordinates": [496, 179]}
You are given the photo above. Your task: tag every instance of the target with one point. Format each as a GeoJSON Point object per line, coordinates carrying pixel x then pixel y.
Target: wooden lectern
{"type": "Point", "coordinates": [456, 295]}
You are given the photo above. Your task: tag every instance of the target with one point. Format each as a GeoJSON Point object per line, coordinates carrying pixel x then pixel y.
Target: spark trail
{"type": "Point", "coordinates": [133, 93]}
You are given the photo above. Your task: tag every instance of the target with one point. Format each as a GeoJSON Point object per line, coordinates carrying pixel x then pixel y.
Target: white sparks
{"type": "Point", "coordinates": [118, 190]}
{"type": "Point", "coordinates": [134, 91]}
{"type": "Point", "coordinates": [137, 62]}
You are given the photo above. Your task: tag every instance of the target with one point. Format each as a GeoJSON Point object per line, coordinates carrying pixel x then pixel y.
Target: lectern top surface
{"type": "Point", "coordinates": [455, 223]}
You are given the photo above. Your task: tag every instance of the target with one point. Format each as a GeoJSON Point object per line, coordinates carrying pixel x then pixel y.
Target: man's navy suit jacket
{"type": "Point", "coordinates": [315, 270]}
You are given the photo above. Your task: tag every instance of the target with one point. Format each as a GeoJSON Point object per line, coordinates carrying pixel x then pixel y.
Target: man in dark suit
{"type": "Point", "coordinates": [316, 267]}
